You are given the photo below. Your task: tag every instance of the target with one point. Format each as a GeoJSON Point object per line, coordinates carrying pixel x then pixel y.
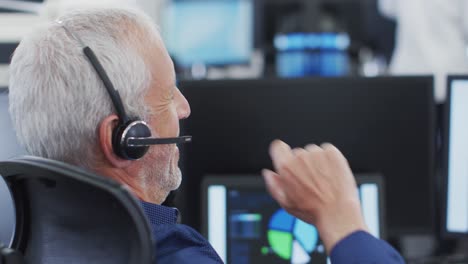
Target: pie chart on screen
{"type": "Point", "coordinates": [290, 238]}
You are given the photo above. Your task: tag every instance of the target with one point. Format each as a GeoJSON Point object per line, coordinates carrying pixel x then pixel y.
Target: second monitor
{"type": "Point", "coordinates": [383, 125]}
{"type": "Point", "coordinates": [245, 225]}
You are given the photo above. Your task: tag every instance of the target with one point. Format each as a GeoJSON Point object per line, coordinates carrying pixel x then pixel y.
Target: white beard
{"type": "Point", "coordinates": [161, 172]}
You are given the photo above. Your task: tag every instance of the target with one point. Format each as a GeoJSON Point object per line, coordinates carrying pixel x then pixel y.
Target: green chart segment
{"type": "Point", "coordinates": [281, 243]}
{"type": "Point", "coordinates": [290, 238]}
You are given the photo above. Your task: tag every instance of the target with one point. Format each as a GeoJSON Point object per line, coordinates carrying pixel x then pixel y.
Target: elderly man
{"type": "Point", "coordinates": [64, 107]}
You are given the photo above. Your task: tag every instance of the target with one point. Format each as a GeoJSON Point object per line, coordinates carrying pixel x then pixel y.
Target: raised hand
{"type": "Point", "coordinates": [316, 185]}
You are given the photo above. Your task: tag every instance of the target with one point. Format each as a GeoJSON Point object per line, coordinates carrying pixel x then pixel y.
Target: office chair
{"type": "Point", "coordinates": [68, 215]}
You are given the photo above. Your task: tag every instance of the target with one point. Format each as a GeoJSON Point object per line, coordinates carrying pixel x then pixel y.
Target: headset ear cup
{"type": "Point", "coordinates": [116, 138]}
{"type": "Point", "coordinates": [137, 129]}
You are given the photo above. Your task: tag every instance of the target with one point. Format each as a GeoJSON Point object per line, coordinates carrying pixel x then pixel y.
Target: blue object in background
{"type": "Point", "coordinates": [312, 54]}
{"type": "Point", "coordinates": [8, 218]}
{"type": "Point", "coordinates": [210, 32]}
{"type": "Point", "coordinates": [9, 148]}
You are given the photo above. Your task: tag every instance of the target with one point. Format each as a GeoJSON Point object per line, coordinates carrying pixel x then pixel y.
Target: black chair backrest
{"type": "Point", "coordinates": [68, 215]}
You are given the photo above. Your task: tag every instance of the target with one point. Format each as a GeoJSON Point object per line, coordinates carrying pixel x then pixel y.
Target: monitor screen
{"type": "Point", "coordinates": [456, 157]}
{"type": "Point", "coordinates": [245, 225]}
{"type": "Point", "coordinates": [371, 120]}
{"type": "Point", "coordinates": [210, 32]}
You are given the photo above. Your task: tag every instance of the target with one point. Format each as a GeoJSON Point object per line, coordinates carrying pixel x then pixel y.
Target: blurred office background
{"type": "Point", "coordinates": [319, 43]}
{"type": "Point", "coordinates": [242, 38]}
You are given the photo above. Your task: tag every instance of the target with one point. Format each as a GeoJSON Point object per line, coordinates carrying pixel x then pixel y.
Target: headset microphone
{"type": "Point", "coordinates": [145, 141]}
{"type": "Point", "coordinates": [131, 138]}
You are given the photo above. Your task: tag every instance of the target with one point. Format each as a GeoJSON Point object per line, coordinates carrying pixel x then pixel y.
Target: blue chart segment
{"type": "Point", "coordinates": [306, 235]}
{"type": "Point", "coordinates": [282, 221]}
{"type": "Point", "coordinates": [290, 238]}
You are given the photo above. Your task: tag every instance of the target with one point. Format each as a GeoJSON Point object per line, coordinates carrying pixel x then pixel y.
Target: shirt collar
{"type": "Point", "coordinates": [159, 214]}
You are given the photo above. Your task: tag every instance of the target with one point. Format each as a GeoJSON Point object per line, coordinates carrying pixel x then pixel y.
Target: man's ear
{"type": "Point", "coordinates": [105, 129]}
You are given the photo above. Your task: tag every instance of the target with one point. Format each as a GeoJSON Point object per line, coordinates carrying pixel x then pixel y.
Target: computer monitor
{"type": "Point", "coordinates": [210, 32]}
{"type": "Point", "coordinates": [8, 148]}
{"type": "Point", "coordinates": [8, 219]}
{"type": "Point", "coordinates": [245, 225]}
{"type": "Point", "coordinates": [383, 125]}
{"type": "Point", "coordinates": [455, 216]}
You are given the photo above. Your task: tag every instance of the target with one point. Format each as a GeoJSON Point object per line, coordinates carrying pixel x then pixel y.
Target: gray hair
{"type": "Point", "coordinates": [56, 98]}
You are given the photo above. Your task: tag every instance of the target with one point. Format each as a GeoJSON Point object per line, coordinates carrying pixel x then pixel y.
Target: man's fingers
{"type": "Point", "coordinates": [272, 182]}
{"type": "Point", "coordinates": [316, 152]}
{"type": "Point", "coordinates": [280, 153]}
{"type": "Point", "coordinates": [312, 147]}
{"type": "Point", "coordinates": [333, 153]}
{"type": "Point", "coordinates": [298, 151]}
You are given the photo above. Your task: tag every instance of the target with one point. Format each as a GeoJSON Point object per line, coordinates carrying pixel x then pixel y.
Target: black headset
{"type": "Point", "coordinates": [131, 138]}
